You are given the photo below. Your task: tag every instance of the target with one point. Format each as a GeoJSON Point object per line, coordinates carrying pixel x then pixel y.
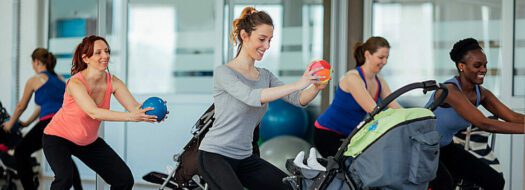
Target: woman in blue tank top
{"type": "Point", "coordinates": [357, 94]}
{"type": "Point", "coordinates": [459, 111]}
{"type": "Point", "coordinates": [48, 88]}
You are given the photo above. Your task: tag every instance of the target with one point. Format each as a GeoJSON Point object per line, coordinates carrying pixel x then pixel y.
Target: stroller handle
{"type": "Point", "coordinates": [429, 85]}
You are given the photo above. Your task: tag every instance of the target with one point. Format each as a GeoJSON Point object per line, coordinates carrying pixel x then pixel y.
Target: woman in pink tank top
{"type": "Point", "coordinates": [74, 129]}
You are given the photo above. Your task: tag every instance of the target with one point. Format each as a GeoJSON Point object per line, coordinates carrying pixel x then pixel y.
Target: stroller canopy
{"type": "Point", "coordinates": [382, 123]}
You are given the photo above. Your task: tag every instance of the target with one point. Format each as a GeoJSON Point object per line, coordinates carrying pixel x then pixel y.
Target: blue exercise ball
{"type": "Point", "coordinates": [159, 107]}
{"type": "Point", "coordinates": [283, 118]}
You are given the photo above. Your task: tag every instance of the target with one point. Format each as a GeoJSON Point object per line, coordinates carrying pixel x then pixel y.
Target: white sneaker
{"type": "Point", "coordinates": [312, 161]}
{"type": "Point", "coordinates": [298, 161]}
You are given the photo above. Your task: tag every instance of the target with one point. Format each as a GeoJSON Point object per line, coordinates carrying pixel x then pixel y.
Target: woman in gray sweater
{"type": "Point", "coordinates": [241, 93]}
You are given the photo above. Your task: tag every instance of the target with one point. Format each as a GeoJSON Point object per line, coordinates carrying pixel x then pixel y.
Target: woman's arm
{"type": "Point", "coordinates": [469, 112]}
{"type": "Point", "coordinates": [22, 105]}
{"type": "Point", "coordinates": [123, 95]}
{"type": "Point", "coordinates": [32, 118]}
{"type": "Point", "coordinates": [225, 80]}
{"type": "Point", "coordinates": [310, 93]}
{"type": "Point", "coordinates": [274, 93]}
{"type": "Point", "coordinates": [496, 107]}
{"type": "Point", "coordinates": [353, 84]}
{"type": "Point", "coordinates": [79, 92]}
{"type": "Point", "coordinates": [385, 91]}
{"type": "Point", "coordinates": [280, 90]}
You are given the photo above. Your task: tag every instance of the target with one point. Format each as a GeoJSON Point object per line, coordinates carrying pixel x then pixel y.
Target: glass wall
{"type": "Point", "coordinates": [172, 49]}
{"type": "Point", "coordinates": [420, 44]}
{"type": "Point", "coordinates": [519, 50]}
{"type": "Point", "coordinates": [173, 45]}
{"type": "Point", "coordinates": [69, 21]}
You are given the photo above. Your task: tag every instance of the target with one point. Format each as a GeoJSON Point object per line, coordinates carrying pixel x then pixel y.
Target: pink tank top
{"type": "Point", "coordinates": [72, 123]}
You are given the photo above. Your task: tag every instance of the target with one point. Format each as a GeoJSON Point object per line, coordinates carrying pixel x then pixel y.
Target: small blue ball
{"type": "Point", "coordinates": [159, 107]}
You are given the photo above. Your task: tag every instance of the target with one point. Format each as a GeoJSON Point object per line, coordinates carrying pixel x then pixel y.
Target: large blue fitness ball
{"type": "Point", "coordinates": [283, 118]}
{"type": "Point", "coordinates": [159, 107]}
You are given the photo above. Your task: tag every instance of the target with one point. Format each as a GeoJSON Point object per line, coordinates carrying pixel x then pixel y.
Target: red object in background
{"type": "Point", "coordinates": [326, 71]}
{"type": "Point", "coordinates": [3, 148]}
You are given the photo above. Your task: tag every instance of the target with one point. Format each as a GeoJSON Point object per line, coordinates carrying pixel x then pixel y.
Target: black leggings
{"type": "Point", "coordinates": [226, 173]}
{"type": "Point", "coordinates": [31, 143]}
{"type": "Point", "coordinates": [98, 156]}
{"type": "Point", "coordinates": [456, 163]}
{"type": "Point", "coordinates": [327, 142]}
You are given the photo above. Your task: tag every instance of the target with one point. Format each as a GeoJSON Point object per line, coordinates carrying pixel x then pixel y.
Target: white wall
{"type": "Point", "coordinates": [29, 40]}
{"type": "Point", "coordinates": [6, 21]}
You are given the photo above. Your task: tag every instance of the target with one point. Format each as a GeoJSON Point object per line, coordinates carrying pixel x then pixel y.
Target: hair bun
{"type": "Point", "coordinates": [462, 47]}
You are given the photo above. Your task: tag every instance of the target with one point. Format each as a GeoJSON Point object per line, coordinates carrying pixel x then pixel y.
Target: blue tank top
{"type": "Point", "coordinates": [448, 121]}
{"type": "Point", "coordinates": [344, 114]}
{"type": "Point", "coordinates": [50, 95]}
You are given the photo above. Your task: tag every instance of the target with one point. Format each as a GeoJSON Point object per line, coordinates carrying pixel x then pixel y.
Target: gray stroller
{"type": "Point", "coordinates": [390, 149]}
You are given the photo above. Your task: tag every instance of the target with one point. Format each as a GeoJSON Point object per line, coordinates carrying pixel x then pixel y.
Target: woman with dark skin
{"type": "Point", "coordinates": [459, 111]}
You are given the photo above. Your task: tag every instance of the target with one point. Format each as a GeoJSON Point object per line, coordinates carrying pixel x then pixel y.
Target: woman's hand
{"type": "Point", "coordinates": [309, 78]}
{"type": "Point", "coordinates": [7, 126]}
{"type": "Point", "coordinates": [320, 86]}
{"type": "Point", "coordinates": [24, 123]}
{"type": "Point", "coordinates": [139, 115]}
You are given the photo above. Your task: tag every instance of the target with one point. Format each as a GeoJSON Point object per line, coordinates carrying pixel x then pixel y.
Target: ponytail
{"type": "Point", "coordinates": [249, 19]}
{"type": "Point", "coordinates": [45, 57]}
{"type": "Point", "coordinates": [359, 54]}
{"type": "Point", "coordinates": [371, 45]}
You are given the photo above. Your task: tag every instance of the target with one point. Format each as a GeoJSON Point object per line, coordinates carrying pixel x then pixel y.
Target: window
{"type": "Point", "coordinates": [422, 34]}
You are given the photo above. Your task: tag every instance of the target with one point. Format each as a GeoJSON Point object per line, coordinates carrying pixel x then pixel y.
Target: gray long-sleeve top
{"type": "Point", "coordinates": [238, 110]}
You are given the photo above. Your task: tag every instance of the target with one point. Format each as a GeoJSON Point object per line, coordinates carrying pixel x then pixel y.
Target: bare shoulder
{"type": "Point", "coordinates": [350, 80]}
{"type": "Point", "coordinates": [116, 83]}
{"type": "Point", "coordinates": [352, 76]}
{"type": "Point", "coordinates": [36, 81]}
{"type": "Point", "coordinates": [115, 78]}
{"type": "Point", "coordinates": [352, 72]}
{"type": "Point", "coordinates": [75, 83]}
{"type": "Point", "coordinates": [486, 94]}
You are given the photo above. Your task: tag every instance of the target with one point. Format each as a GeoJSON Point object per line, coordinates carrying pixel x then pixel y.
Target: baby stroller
{"type": "Point", "coordinates": [185, 175]}
{"type": "Point", "coordinates": [8, 141]}
{"type": "Point", "coordinates": [391, 149]}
